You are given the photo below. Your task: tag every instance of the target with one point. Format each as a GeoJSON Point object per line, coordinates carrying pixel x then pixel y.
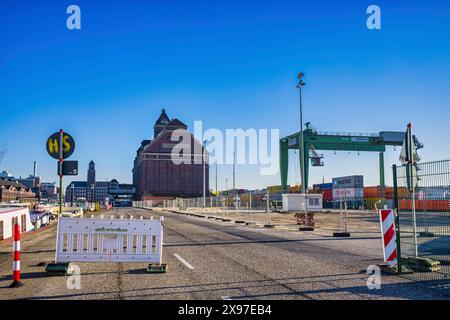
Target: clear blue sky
{"type": "Point", "coordinates": [232, 64]}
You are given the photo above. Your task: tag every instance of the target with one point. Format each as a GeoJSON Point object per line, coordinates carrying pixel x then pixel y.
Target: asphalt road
{"type": "Point", "coordinates": [216, 260]}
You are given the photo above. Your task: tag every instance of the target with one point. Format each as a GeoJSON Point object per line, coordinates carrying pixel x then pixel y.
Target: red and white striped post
{"type": "Point", "coordinates": [388, 236]}
{"type": "Point", "coordinates": [16, 258]}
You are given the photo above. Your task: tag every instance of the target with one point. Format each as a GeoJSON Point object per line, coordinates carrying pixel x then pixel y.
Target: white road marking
{"type": "Point", "coordinates": [187, 264]}
{"type": "Point", "coordinates": [226, 298]}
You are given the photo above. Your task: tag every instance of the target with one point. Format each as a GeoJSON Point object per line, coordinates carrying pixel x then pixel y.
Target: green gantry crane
{"type": "Point", "coordinates": [359, 142]}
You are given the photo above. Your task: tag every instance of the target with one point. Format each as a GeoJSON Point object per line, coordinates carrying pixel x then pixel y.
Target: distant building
{"type": "Point", "coordinates": [89, 191]}
{"type": "Point", "coordinates": [6, 175]}
{"type": "Point", "coordinates": [120, 194]}
{"type": "Point", "coordinates": [154, 172]}
{"type": "Point", "coordinates": [31, 182]}
{"type": "Point", "coordinates": [91, 173]}
{"type": "Point", "coordinates": [13, 191]}
{"type": "Point", "coordinates": [42, 190]}
{"type": "Point", "coordinates": [49, 191]}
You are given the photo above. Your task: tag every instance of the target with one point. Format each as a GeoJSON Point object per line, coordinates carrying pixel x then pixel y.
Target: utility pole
{"type": "Point", "coordinates": [234, 173]}
{"type": "Point", "coordinates": [217, 193]}
{"type": "Point", "coordinates": [216, 180]}
{"type": "Point", "coordinates": [204, 173]}
{"type": "Point", "coordinates": [235, 201]}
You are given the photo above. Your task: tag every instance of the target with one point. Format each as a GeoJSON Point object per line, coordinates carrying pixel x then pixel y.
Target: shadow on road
{"type": "Point", "coordinates": [417, 290]}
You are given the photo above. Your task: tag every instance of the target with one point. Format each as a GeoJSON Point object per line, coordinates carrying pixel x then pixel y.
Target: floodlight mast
{"type": "Point", "coordinates": [300, 84]}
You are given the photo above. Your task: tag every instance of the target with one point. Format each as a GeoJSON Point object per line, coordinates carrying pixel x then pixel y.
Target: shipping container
{"type": "Point", "coordinates": [347, 193]}
{"type": "Point", "coordinates": [348, 182]}
{"type": "Point", "coordinates": [327, 204]}
{"type": "Point", "coordinates": [276, 189]}
{"type": "Point", "coordinates": [328, 194]}
{"type": "Point", "coordinates": [425, 205]}
{"type": "Point", "coordinates": [386, 192]}
{"type": "Point", "coordinates": [353, 197]}
{"type": "Point", "coordinates": [323, 186]}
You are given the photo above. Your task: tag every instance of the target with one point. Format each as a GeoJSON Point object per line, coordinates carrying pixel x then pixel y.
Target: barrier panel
{"type": "Point", "coordinates": [109, 240]}
{"type": "Point", "coordinates": [389, 240]}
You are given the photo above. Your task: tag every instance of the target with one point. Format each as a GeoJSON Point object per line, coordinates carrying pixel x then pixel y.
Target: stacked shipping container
{"type": "Point", "coordinates": [348, 190]}
{"type": "Point", "coordinates": [351, 190]}
{"type": "Point", "coordinates": [378, 197]}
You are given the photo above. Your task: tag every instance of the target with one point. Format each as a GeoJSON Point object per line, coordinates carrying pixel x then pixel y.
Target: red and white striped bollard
{"type": "Point", "coordinates": [16, 258]}
{"type": "Point", "coordinates": [389, 239]}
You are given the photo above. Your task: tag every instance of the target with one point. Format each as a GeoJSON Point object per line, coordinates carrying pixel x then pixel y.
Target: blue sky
{"type": "Point", "coordinates": [230, 64]}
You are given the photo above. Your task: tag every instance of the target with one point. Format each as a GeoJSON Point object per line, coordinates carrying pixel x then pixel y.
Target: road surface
{"type": "Point", "coordinates": [216, 260]}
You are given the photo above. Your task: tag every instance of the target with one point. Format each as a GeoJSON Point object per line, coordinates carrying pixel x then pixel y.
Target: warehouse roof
{"type": "Point", "coordinates": [13, 184]}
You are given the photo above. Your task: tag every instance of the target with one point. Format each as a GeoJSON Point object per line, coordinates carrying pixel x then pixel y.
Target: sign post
{"type": "Point", "coordinates": [60, 146]}
{"type": "Point", "coordinates": [409, 156]}
{"type": "Point", "coordinates": [61, 160]}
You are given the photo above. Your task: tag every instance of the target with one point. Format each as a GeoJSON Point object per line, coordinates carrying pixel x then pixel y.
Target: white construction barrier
{"type": "Point", "coordinates": [109, 240]}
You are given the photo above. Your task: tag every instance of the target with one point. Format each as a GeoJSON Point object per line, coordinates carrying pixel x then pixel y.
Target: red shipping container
{"type": "Point", "coordinates": [328, 194]}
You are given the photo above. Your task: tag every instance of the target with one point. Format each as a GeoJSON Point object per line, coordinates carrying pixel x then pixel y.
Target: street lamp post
{"type": "Point", "coordinates": [204, 173]}
{"type": "Point", "coordinates": [234, 182]}
{"type": "Point", "coordinates": [234, 172]}
{"type": "Point", "coordinates": [304, 189]}
{"type": "Point", "coordinates": [72, 195]}
{"type": "Point", "coordinates": [217, 192]}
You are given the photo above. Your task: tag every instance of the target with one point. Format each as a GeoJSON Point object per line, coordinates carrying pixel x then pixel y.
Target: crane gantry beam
{"type": "Point", "coordinates": [360, 142]}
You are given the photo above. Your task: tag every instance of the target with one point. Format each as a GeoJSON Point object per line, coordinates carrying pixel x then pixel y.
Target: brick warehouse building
{"type": "Point", "coordinates": [154, 172]}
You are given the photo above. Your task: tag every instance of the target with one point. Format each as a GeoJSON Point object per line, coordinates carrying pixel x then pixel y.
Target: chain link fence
{"type": "Point", "coordinates": [422, 200]}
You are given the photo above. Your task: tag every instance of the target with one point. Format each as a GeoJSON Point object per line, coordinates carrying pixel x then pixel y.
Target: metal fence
{"type": "Point", "coordinates": [422, 200]}
{"type": "Point", "coordinates": [243, 202]}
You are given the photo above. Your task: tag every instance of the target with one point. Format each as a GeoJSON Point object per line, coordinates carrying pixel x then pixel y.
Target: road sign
{"type": "Point", "coordinates": [68, 145]}
{"type": "Point", "coordinates": [69, 168]}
